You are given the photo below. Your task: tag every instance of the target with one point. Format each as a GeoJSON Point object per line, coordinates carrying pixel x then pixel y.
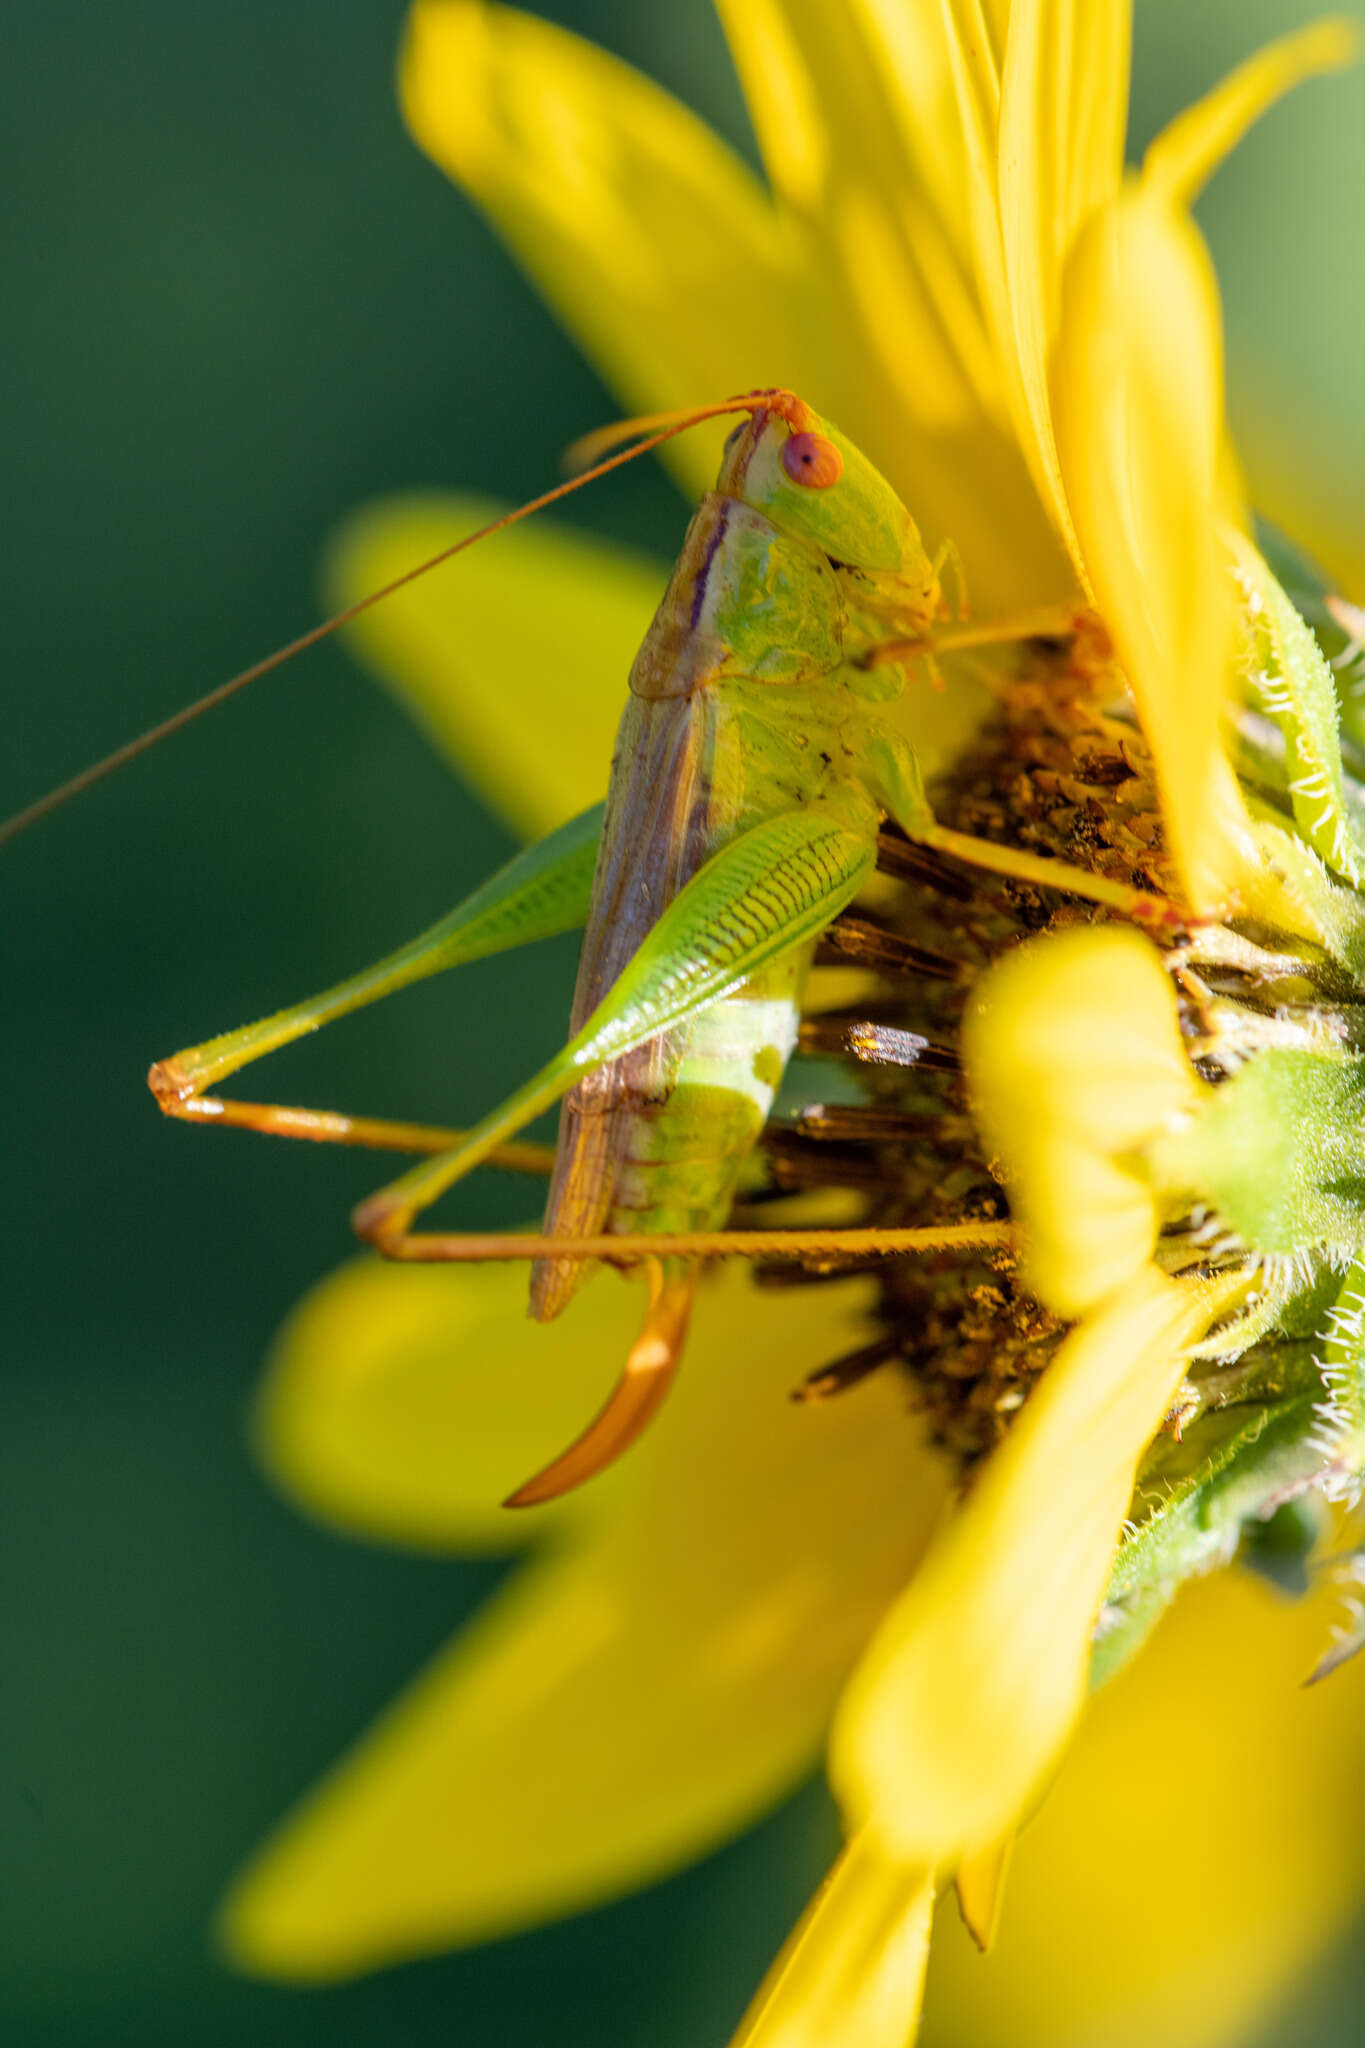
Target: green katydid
{"type": "Point", "coordinates": [754, 766]}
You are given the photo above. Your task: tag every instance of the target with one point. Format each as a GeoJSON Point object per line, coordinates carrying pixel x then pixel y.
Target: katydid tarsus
{"type": "Point", "coordinates": [754, 766]}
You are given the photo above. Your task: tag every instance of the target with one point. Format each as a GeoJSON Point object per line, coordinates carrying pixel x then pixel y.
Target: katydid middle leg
{"type": "Point", "coordinates": [541, 892]}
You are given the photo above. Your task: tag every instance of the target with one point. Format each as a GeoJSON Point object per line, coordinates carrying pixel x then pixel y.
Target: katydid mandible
{"type": "Point", "coordinates": [754, 765]}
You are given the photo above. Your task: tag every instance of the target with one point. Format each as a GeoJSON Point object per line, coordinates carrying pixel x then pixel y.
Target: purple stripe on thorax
{"type": "Point", "coordinates": [717, 535]}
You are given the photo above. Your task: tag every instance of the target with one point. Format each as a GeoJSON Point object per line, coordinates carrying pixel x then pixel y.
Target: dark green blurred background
{"type": "Point", "coordinates": [238, 303]}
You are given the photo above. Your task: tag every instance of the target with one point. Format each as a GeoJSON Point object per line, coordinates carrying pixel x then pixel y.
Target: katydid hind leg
{"type": "Point", "coordinates": [773, 888]}
{"type": "Point", "coordinates": [542, 891]}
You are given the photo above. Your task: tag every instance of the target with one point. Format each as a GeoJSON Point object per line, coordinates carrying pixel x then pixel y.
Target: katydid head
{"type": "Point", "coordinates": [797, 470]}
{"type": "Point", "coordinates": [811, 480]}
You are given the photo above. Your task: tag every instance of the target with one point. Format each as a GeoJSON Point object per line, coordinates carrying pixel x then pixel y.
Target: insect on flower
{"type": "Point", "coordinates": [753, 769]}
{"type": "Point", "coordinates": [1137, 1110]}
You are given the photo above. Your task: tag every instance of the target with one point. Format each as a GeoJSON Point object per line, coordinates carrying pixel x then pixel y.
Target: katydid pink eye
{"type": "Point", "coordinates": [811, 459]}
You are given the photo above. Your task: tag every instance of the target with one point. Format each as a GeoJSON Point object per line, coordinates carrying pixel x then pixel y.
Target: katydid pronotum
{"type": "Point", "coordinates": [754, 766]}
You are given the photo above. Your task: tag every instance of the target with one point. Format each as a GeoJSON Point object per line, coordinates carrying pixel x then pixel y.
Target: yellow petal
{"type": "Point", "coordinates": [852, 1973]}
{"type": "Point", "coordinates": [1063, 110]}
{"type": "Point", "coordinates": [656, 247]}
{"type": "Point", "coordinates": [629, 1701]}
{"type": "Point", "coordinates": [514, 657]}
{"type": "Point", "coordinates": [853, 91]}
{"type": "Point", "coordinates": [1187, 152]}
{"type": "Point", "coordinates": [856, 113]}
{"type": "Point", "coordinates": [637, 225]}
{"type": "Point", "coordinates": [1139, 410]}
{"type": "Point", "coordinates": [971, 1685]}
{"type": "Point", "coordinates": [974, 62]}
{"type": "Point", "coordinates": [1075, 1064]}
{"type": "Point", "coordinates": [1202, 1845]}
{"type": "Point", "coordinates": [979, 1882]}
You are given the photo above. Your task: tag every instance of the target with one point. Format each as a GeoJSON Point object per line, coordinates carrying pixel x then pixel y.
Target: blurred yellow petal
{"type": "Point", "coordinates": [1063, 110]}
{"type": "Point", "coordinates": [1075, 1064]}
{"type": "Point", "coordinates": [974, 61]}
{"type": "Point", "coordinates": [971, 1685]}
{"type": "Point", "coordinates": [856, 91]}
{"type": "Point", "coordinates": [1187, 152]}
{"type": "Point", "coordinates": [632, 1699]}
{"type": "Point", "coordinates": [979, 1882]}
{"type": "Point", "coordinates": [655, 245]}
{"type": "Point", "coordinates": [1200, 1847]}
{"type": "Point", "coordinates": [1139, 407]}
{"type": "Point", "coordinates": [855, 110]}
{"type": "Point", "coordinates": [513, 658]}
{"type": "Point", "coordinates": [637, 225]}
{"type": "Point", "coordinates": [852, 1973]}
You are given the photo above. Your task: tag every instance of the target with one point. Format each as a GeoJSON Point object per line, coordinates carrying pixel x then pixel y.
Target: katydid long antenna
{"type": "Point", "coordinates": [655, 427]}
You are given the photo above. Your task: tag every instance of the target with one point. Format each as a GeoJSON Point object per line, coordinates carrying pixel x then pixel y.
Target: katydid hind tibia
{"type": "Point", "coordinates": [754, 766]}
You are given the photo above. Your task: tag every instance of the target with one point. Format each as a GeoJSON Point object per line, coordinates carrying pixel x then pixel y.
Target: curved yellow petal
{"type": "Point", "coordinates": [1075, 1064]}
{"type": "Point", "coordinates": [1203, 1842]}
{"type": "Point", "coordinates": [630, 1700]}
{"type": "Point", "coordinates": [1189, 150]}
{"type": "Point", "coordinates": [972, 1684]}
{"type": "Point", "coordinates": [654, 244]}
{"type": "Point", "coordinates": [1139, 412]}
{"type": "Point", "coordinates": [852, 1973]}
{"type": "Point", "coordinates": [515, 657]}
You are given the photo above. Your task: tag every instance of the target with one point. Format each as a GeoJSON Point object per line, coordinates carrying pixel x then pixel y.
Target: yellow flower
{"type": "Point", "coordinates": [950, 261]}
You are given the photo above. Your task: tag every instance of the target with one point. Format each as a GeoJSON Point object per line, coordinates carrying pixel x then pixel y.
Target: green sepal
{"type": "Point", "coordinates": [1196, 1497]}
{"type": "Point", "coordinates": [1280, 1548]}
{"type": "Point", "coordinates": [1279, 1432]}
{"type": "Point", "coordinates": [1124, 1627]}
{"type": "Point", "coordinates": [1306, 584]}
{"type": "Point", "coordinates": [1279, 1149]}
{"type": "Point", "coordinates": [1298, 895]}
{"type": "Point", "coordinates": [1290, 1301]}
{"type": "Point", "coordinates": [1307, 1309]}
{"type": "Point", "coordinates": [1288, 675]}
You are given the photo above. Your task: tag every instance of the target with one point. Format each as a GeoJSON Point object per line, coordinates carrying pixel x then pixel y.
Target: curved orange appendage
{"type": "Point", "coordinates": [633, 1401]}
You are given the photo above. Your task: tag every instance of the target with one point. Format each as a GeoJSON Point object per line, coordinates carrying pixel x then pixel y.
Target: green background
{"type": "Point", "coordinates": [238, 303]}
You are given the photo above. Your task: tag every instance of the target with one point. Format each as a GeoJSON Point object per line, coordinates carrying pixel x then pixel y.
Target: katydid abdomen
{"type": "Point", "coordinates": [633, 1164]}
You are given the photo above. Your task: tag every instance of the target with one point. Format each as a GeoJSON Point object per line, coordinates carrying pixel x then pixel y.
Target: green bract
{"type": "Point", "coordinates": [1271, 1419]}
